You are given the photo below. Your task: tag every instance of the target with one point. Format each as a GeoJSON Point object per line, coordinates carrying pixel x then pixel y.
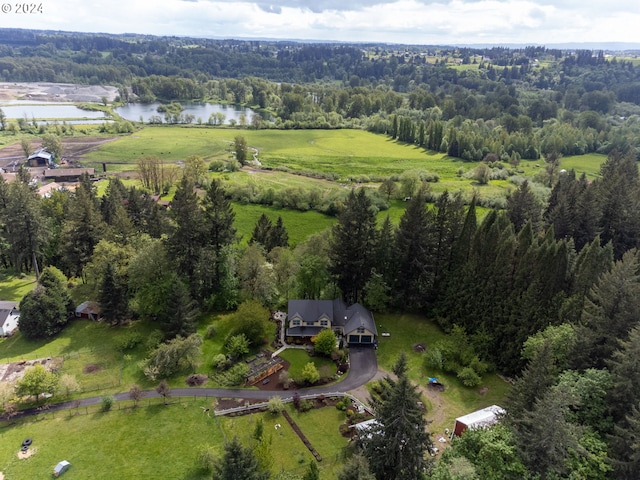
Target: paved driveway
{"type": "Point", "coordinates": [363, 367]}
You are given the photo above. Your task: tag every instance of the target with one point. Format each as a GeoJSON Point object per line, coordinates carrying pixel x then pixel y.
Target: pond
{"type": "Point", "coordinates": [200, 110]}
{"type": "Point", "coordinates": [48, 111]}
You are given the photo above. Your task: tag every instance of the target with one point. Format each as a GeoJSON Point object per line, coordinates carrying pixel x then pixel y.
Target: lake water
{"type": "Point", "coordinates": [134, 111]}
{"type": "Point", "coordinates": [49, 111]}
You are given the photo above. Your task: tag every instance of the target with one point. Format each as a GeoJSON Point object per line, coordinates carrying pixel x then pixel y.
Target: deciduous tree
{"type": "Point", "coordinates": [37, 381]}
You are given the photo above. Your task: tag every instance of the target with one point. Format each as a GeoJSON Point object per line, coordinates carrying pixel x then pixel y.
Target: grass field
{"type": "Point", "coordinates": [320, 426]}
{"type": "Point", "coordinates": [300, 225]}
{"type": "Point", "coordinates": [588, 164]}
{"type": "Point", "coordinates": [14, 287]}
{"type": "Point", "coordinates": [147, 442]}
{"type": "Point", "coordinates": [407, 330]}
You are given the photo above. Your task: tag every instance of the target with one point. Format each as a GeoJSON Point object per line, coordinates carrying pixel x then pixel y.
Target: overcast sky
{"type": "Point", "coordinates": [432, 22]}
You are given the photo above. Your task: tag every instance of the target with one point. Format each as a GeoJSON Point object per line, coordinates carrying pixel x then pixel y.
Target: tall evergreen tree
{"type": "Point", "coordinates": [179, 316]}
{"type": "Point", "coordinates": [218, 217]}
{"type": "Point", "coordinates": [352, 246]}
{"type": "Point", "coordinates": [113, 296]}
{"type": "Point", "coordinates": [278, 236]}
{"type": "Point", "coordinates": [261, 231]}
{"type": "Point", "coordinates": [618, 195]}
{"type": "Point", "coordinates": [186, 239]}
{"type": "Point", "coordinates": [523, 207]}
{"type": "Point", "coordinates": [414, 254]}
{"type": "Point", "coordinates": [611, 310]}
{"type": "Point", "coordinates": [397, 444]}
{"type": "Point", "coordinates": [82, 231]}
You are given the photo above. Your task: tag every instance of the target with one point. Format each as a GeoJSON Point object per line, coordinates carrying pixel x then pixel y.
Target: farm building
{"type": "Point", "coordinates": [307, 318]}
{"type": "Point", "coordinates": [9, 317]}
{"type": "Point", "coordinates": [41, 158]}
{"type": "Point", "coordinates": [89, 310]}
{"type": "Point", "coordinates": [67, 174]}
{"type": "Point", "coordinates": [478, 419]}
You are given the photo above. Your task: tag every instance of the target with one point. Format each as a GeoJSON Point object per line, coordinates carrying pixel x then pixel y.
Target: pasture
{"type": "Point", "coordinates": [340, 158]}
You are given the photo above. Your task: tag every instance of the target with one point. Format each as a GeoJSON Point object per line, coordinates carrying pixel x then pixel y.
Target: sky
{"type": "Point", "coordinates": [422, 22]}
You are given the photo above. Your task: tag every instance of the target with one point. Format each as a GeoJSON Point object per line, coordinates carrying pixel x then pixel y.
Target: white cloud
{"type": "Point", "coordinates": [399, 21]}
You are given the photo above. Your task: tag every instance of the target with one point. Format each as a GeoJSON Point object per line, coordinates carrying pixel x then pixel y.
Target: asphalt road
{"type": "Point", "coordinates": [363, 367]}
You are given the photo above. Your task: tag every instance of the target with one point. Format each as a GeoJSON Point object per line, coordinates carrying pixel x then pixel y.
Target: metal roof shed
{"type": "Point", "coordinates": [60, 468]}
{"type": "Point", "coordinates": [478, 419]}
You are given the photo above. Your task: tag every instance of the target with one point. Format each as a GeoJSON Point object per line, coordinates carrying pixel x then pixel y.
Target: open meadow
{"type": "Point", "coordinates": [343, 155]}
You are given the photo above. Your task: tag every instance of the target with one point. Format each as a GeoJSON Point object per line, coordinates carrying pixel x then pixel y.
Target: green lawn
{"type": "Point", "coordinates": [147, 442]}
{"type": "Point", "coordinates": [407, 330]}
{"type": "Point", "coordinates": [300, 225]}
{"type": "Point", "coordinates": [14, 287]}
{"type": "Point", "coordinates": [588, 164]}
{"type": "Point", "coordinates": [320, 426]}
{"type": "Point", "coordinates": [298, 358]}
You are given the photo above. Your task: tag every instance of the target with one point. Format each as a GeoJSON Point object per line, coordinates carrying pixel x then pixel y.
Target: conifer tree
{"type": "Point", "coordinates": [261, 231]}
{"type": "Point", "coordinates": [611, 309]}
{"type": "Point", "coordinates": [414, 254]}
{"type": "Point", "coordinates": [113, 297]}
{"type": "Point", "coordinates": [352, 244]}
{"type": "Point", "coordinates": [397, 444]}
{"type": "Point", "coordinates": [179, 317]}
{"type": "Point", "coordinates": [238, 462]}
{"type": "Point", "coordinates": [218, 217]}
{"type": "Point", "coordinates": [523, 207]}
{"type": "Point", "coordinates": [186, 239]}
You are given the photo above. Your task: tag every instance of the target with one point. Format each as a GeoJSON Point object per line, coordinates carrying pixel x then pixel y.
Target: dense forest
{"type": "Point", "coordinates": [546, 293]}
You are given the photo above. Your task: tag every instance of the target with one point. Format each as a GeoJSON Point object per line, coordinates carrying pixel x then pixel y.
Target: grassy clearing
{"type": "Point", "coordinates": [588, 164]}
{"type": "Point", "coordinates": [14, 287]}
{"type": "Point", "coordinates": [300, 225]}
{"type": "Point", "coordinates": [90, 354]}
{"type": "Point", "coordinates": [154, 441]}
{"type": "Point", "coordinates": [407, 330]}
{"type": "Point", "coordinates": [320, 426]}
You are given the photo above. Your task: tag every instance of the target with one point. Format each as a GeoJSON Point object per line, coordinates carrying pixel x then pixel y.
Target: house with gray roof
{"type": "Point", "coordinates": [307, 318]}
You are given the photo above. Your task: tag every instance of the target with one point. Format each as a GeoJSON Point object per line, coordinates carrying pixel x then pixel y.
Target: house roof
{"type": "Point", "coordinates": [349, 318]}
{"type": "Point", "coordinates": [68, 172]}
{"type": "Point", "coordinates": [42, 153]}
{"type": "Point", "coordinates": [482, 418]}
{"type": "Point", "coordinates": [88, 307]}
{"type": "Point", "coordinates": [6, 308]}
{"type": "Point", "coordinates": [304, 331]}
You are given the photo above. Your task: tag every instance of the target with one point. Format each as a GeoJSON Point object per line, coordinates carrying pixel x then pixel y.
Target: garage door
{"type": "Point", "coordinates": [354, 338]}
{"type": "Point", "coordinates": [365, 339]}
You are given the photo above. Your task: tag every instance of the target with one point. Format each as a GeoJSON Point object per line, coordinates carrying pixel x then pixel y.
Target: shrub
{"type": "Point", "coordinates": [210, 332]}
{"type": "Point", "coordinates": [128, 342]}
{"type": "Point", "coordinates": [219, 361]}
{"type": "Point", "coordinates": [275, 405]}
{"type": "Point", "coordinates": [469, 377]}
{"type": "Point", "coordinates": [310, 373]}
{"type": "Point", "coordinates": [305, 405]}
{"type": "Point", "coordinates": [107, 403]}
{"type": "Point", "coordinates": [206, 458]}
{"type": "Point", "coordinates": [154, 339]}
{"type": "Point", "coordinates": [433, 359]}
{"type": "Point", "coordinates": [196, 379]}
